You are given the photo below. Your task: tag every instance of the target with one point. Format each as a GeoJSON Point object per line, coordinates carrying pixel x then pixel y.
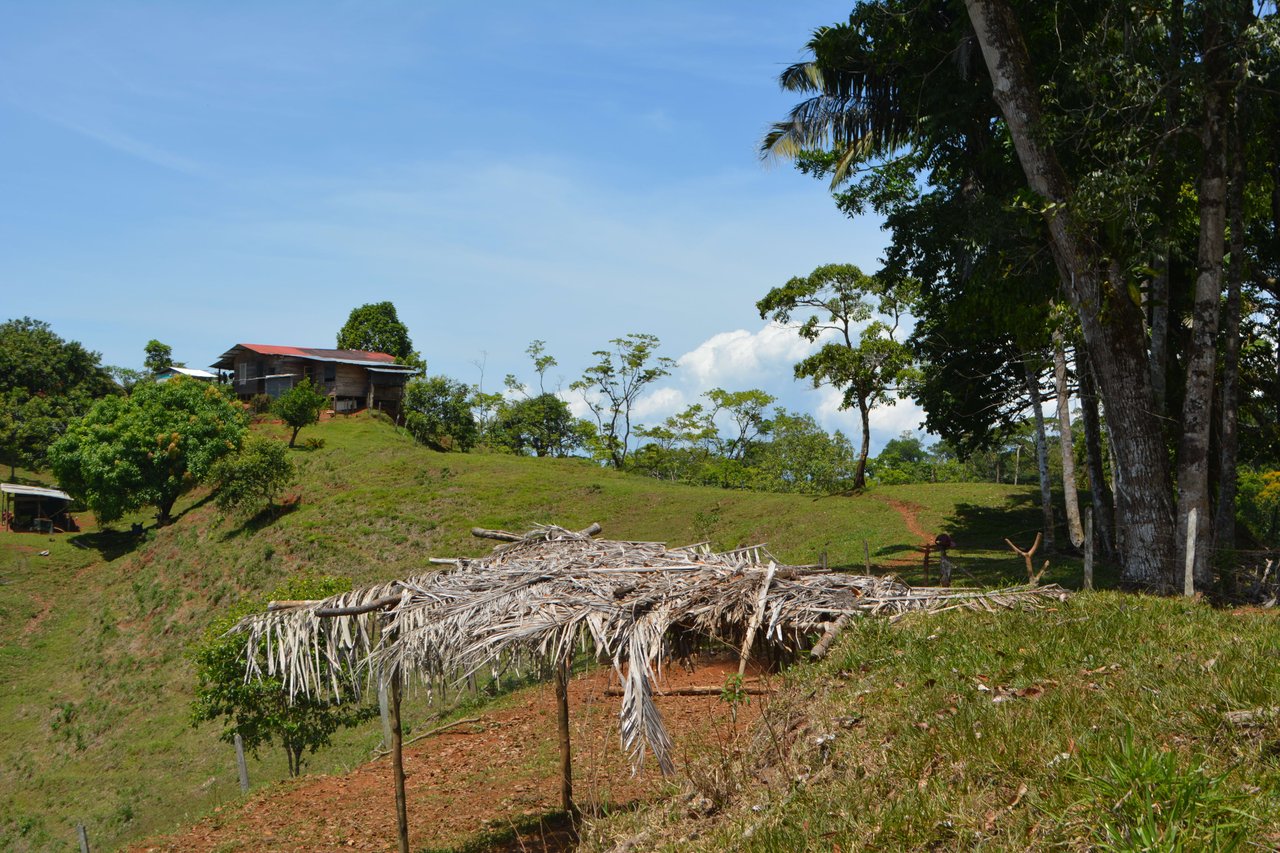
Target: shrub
{"type": "Point", "coordinates": [260, 404]}
{"type": "Point", "coordinates": [257, 474]}
{"type": "Point", "coordinates": [299, 406]}
{"type": "Point", "coordinates": [261, 711]}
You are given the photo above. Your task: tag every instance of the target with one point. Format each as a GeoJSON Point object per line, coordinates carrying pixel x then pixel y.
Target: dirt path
{"type": "Point", "coordinates": [910, 516]}
{"type": "Point", "coordinates": [463, 783]}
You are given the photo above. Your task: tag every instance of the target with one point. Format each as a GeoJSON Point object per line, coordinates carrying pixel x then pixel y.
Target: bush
{"type": "Point", "coordinates": [260, 711]}
{"type": "Point", "coordinates": [260, 404]}
{"type": "Point", "coordinates": [257, 474]}
{"type": "Point", "coordinates": [438, 414]}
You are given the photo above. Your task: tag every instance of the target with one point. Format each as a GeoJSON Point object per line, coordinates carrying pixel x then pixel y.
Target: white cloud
{"type": "Point", "coordinates": [731, 358]}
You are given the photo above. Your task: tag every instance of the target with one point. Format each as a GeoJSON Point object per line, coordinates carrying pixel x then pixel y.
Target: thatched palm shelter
{"type": "Point", "coordinates": [540, 598]}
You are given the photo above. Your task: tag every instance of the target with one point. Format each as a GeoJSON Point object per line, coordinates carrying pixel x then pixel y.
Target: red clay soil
{"type": "Point", "coordinates": [910, 517]}
{"type": "Point", "coordinates": [476, 781]}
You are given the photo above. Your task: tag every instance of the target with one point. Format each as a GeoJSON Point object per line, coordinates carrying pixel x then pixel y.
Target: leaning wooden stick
{"type": "Point", "coordinates": [1032, 577]}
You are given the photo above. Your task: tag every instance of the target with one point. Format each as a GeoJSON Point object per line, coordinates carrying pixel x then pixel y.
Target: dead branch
{"type": "Point", "coordinates": [1032, 578]}
{"type": "Point", "coordinates": [819, 651]}
{"type": "Point", "coordinates": [382, 753]}
{"type": "Point", "coordinates": [712, 690]}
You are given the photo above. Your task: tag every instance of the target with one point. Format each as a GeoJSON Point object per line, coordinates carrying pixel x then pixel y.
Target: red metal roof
{"type": "Point", "coordinates": [313, 352]}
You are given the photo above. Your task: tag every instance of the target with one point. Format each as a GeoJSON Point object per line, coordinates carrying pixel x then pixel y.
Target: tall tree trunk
{"type": "Point", "coordinates": [1042, 454]}
{"type": "Point", "coordinates": [1158, 296]}
{"type": "Point", "coordinates": [1075, 527]}
{"type": "Point", "coordinates": [1098, 488]}
{"type": "Point", "coordinates": [1111, 322]}
{"type": "Point", "coordinates": [1197, 409]}
{"type": "Point", "coordinates": [1225, 519]}
{"type": "Point", "coordinates": [860, 476]}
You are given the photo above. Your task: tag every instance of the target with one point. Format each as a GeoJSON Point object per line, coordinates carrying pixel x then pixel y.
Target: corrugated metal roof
{"type": "Point", "coordinates": [34, 491]}
{"type": "Point", "coordinates": [189, 371]}
{"type": "Point", "coordinates": [341, 356]}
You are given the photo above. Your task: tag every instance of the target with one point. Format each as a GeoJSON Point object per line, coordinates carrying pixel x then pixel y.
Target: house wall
{"type": "Point", "coordinates": [337, 381]}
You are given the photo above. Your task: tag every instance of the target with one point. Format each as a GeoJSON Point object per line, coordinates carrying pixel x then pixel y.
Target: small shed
{"type": "Point", "coordinates": [35, 509]}
{"type": "Point", "coordinates": [194, 373]}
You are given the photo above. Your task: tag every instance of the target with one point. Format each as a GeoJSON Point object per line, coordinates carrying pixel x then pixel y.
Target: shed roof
{"type": "Point", "coordinates": [34, 491]}
{"type": "Point", "coordinates": [193, 372]}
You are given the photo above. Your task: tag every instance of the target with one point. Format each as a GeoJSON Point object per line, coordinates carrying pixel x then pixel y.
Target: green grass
{"type": "Point", "coordinates": [95, 677]}
{"type": "Point", "coordinates": [1097, 724]}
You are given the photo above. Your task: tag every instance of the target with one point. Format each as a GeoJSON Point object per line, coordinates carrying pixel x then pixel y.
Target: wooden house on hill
{"type": "Point", "coordinates": [352, 379]}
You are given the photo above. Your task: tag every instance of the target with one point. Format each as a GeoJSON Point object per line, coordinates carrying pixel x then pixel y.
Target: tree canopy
{"type": "Point", "coordinates": [147, 448]}
{"type": "Point", "coordinates": [375, 327]}
{"type": "Point", "coordinates": [45, 382]}
{"type": "Point", "coordinates": [437, 412]}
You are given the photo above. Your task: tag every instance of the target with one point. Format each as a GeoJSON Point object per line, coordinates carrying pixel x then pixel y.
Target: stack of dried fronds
{"type": "Point", "coordinates": [536, 601]}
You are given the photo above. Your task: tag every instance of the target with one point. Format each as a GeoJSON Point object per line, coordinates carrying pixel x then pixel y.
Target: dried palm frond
{"type": "Point", "coordinates": [532, 603]}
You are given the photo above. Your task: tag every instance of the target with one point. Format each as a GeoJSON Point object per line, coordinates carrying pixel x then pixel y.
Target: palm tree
{"type": "Point", "coordinates": [855, 111]}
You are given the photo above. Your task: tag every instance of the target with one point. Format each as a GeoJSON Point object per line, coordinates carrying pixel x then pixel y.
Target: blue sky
{"type": "Point", "coordinates": [208, 174]}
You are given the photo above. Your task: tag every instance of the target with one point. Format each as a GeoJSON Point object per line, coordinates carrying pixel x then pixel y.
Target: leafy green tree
{"type": "Point", "coordinates": [679, 448]}
{"type": "Point", "coordinates": [45, 382]}
{"type": "Point", "coordinates": [612, 385]}
{"type": "Point", "coordinates": [300, 406]}
{"type": "Point", "coordinates": [438, 413]}
{"type": "Point", "coordinates": [541, 425]}
{"type": "Point", "coordinates": [147, 448]}
{"type": "Point", "coordinates": [159, 356]}
{"type": "Point", "coordinates": [803, 457]}
{"type": "Point", "coordinates": [127, 378]}
{"type": "Point", "coordinates": [747, 410]}
{"type": "Point", "coordinates": [256, 474]}
{"type": "Point", "coordinates": [261, 711]}
{"type": "Point", "coordinates": [867, 366]}
{"type": "Point", "coordinates": [376, 327]}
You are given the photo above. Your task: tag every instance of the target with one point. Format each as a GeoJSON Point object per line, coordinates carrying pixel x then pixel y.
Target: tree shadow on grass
{"type": "Point", "coordinates": [265, 517]}
{"type": "Point", "coordinates": [549, 832]}
{"type": "Point", "coordinates": [110, 544]}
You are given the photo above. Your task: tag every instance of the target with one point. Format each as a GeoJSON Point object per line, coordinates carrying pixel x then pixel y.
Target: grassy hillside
{"type": "Point", "coordinates": [94, 674]}
{"type": "Point", "coordinates": [1103, 723]}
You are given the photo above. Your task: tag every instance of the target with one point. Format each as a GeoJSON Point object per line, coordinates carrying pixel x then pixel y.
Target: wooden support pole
{"type": "Point", "coordinates": [397, 764]}
{"type": "Point", "coordinates": [241, 766]}
{"type": "Point", "coordinates": [1088, 548]}
{"type": "Point", "coordinates": [756, 618]}
{"type": "Point", "coordinates": [82, 835]}
{"type": "Point", "coordinates": [944, 568]}
{"type": "Point", "coordinates": [928, 549]}
{"type": "Point", "coordinates": [866, 555]}
{"type": "Point", "coordinates": [562, 721]}
{"type": "Point", "coordinates": [385, 712]}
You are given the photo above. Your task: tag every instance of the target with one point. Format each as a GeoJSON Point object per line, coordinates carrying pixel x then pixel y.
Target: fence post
{"type": "Point", "coordinates": [83, 837]}
{"type": "Point", "coordinates": [241, 766]}
{"type": "Point", "coordinates": [1188, 577]}
{"type": "Point", "coordinates": [1088, 548]}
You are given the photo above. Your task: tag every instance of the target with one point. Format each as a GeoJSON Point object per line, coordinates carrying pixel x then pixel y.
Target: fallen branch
{"type": "Point", "coordinates": [714, 690]}
{"type": "Point", "coordinates": [1251, 717]}
{"type": "Point", "coordinates": [379, 753]}
{"type": "Point", "coordinates": [819, 651]}
{"type": "Point", "coordinates": [376, 604]}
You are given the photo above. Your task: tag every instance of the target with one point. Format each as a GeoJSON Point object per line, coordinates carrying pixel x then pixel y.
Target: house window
{"type": "Point", "coordinates": [330, 373]}
{"type": "Point", "coordinates": [242, 371]}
